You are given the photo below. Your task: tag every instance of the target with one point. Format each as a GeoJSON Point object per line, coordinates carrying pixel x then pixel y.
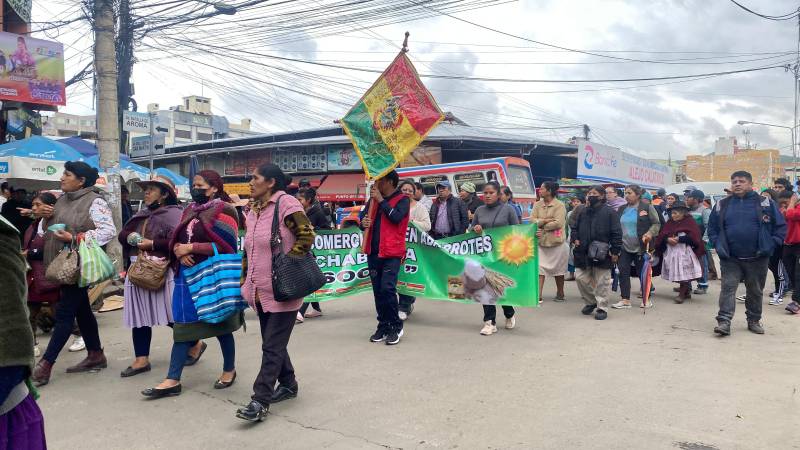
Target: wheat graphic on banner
{"type": "Point", "coordinates": [392, 118]}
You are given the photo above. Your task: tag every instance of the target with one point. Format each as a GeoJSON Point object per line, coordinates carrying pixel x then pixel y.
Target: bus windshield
{"type": "Point", "coordinates": [519, 179]}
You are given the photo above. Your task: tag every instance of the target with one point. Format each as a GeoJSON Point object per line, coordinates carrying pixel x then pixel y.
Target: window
{"type": "Point", "coordinates": [183, 134]}
{"type": "Point", "coordinates": [429, 183]}
{"type": "Point", "coordinates": [476, 178]}
{"type": "Point", "coordinates": [204, 136]}
{"type": "Point", "coordinates": [520, 180]}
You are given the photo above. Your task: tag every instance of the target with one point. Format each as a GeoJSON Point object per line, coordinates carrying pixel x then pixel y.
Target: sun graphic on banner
{"type": "Point", "coordinates": [516, 249]}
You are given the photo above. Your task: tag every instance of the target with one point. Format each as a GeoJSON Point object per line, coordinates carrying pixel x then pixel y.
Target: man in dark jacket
{"type": "Point", "coordinates": [467, 194]}
{"type": "Point", "coordinates": [449, 216]}
{"type": "Point", "coordinates": [11, 211]}
{"type": "Point", "coordinates": [595, 226]}
{"type": "Point", "coordinates": [744, 228]}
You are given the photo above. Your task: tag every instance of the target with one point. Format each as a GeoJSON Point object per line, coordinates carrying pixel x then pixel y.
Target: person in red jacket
{"type": "Point", "coordinates": [385, 245]}
{"type": "Point", "coordinates": [792, 249]}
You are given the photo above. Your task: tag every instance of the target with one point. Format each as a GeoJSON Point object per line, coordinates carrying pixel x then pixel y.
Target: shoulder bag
{"type": "Point", "coordinates": [292, 277]}
{"type": "Point", "coordinates": [147, 273]}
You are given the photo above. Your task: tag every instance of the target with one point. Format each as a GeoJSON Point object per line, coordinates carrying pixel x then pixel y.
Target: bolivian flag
{"type": "Point", "coordinates": [392, 118]}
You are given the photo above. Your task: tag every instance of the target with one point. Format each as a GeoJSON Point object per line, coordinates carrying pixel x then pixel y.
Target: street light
{"type": "Point", "coordinates": [791, 130]}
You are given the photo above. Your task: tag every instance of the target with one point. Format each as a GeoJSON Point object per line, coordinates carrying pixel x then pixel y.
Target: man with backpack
{"type": "Point", "coordinates": [744, 228]}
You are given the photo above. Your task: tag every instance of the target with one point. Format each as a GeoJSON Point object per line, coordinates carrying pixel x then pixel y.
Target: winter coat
{"type": "Point", "coordinates": [744, 227]}
{"type": "Point", "coordinates": [595, 223]}
{"type": "Point", "coordinates": [456, 216]}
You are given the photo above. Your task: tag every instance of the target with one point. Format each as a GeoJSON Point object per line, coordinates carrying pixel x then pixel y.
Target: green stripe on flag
{"type": "Point", "coordinates": [376, 158]}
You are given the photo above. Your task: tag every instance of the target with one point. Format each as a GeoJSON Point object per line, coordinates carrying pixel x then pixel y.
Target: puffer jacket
{"type": "Point", "coordinates": [595, 223]}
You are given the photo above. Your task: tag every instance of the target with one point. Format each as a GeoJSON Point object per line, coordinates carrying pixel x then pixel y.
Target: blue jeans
{"type": "Point", "coordinates": [180, 350]}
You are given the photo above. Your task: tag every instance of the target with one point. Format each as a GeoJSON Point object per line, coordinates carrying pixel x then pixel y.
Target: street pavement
{"type": "Point", "coordinates": [560, 380]}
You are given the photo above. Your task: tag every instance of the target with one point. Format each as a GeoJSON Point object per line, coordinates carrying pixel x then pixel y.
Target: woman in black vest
{"type": "Point", "coordinates": [640, 224]}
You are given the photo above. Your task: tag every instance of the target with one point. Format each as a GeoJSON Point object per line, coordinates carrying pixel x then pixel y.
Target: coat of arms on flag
{"type": "Point", "coordinates": [392, 118]}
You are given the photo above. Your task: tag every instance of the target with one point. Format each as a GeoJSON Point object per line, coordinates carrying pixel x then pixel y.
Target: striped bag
{"type": "Point", "coordinates": [215, 286]}
{"type": "Point", "coordinates": [96, 266]}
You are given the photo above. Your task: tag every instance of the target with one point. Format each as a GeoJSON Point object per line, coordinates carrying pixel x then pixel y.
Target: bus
{"type": "Point", "coordinates": [508, 171]}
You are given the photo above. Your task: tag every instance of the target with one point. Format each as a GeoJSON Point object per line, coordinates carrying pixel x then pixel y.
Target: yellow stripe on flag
{"type": "Point", "coordinates": [401, 130]}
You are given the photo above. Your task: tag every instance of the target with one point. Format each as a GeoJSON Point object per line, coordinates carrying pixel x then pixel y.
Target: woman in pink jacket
{"type": "Point", "coordinates": [276, 318]}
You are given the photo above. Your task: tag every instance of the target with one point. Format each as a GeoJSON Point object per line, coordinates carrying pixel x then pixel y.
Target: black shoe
{"type": "Point", "coordinates": [601, 314]}
{"type": "Point", "coordinates": [254, 412]}
{"type": "Point", "coordinates": [155, 393]}
{"type": "Point", "coordinates": [130, 371]}
{"type": "Point", "coordinates": [393, 337]}
{"type": "Point", "coordinates": [755, 327]}
{"type": "Point", "coordinates": [284, 393]}
{"type": "Point", "coordinates": [723, 328]}
{"type": "Point", "coordinates": [588, 309]}
{"type": "Point", "coordinates": [379, 336]}
{"type": "Point", "coordinates": [219, 384]}
{"type": "Point", "coordinates": [190, 361]}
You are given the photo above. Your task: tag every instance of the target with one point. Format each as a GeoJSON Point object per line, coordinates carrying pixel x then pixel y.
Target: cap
{"type": "Point", "coordinates": [647, 195]}
{"type": "Point", "coordinates": [697, 193]}
{"type": "Point", "coordinates": [468, 187]}
{"type": "Point", "coordinates": [304, 182]}
{"type": "Point", "coordinates": [690, 188]}
{"type": "Point", "coordinates": [443, 183]}
{"type": "Point", "coordinates": [662, 193]}
{"type": "Point", "coordinates": [161, 181]}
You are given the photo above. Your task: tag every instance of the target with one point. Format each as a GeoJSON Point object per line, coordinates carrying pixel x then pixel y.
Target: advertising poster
{"type": "Point", "coordinates": [606, 164]}
{"type": "Point", "coordinates": [31, 70]}
{"type": "Point", "coordinates": [498, 267]}
{"type": "Point", "coordinates": [343, 159]}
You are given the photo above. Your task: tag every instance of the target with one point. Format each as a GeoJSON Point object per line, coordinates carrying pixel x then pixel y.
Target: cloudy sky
{"type": "Point", "coordinates": [653, 119]}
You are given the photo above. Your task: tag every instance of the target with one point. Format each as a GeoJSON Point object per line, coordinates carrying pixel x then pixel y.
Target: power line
{"type": "Point", "coordinates": [788, 16]}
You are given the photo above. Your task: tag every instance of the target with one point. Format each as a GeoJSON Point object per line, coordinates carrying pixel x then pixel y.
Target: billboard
{"type": "Point", "coordinates": [343, 159]}
{"type": "Point", "coordinates": [597, 162]}
{"type": "Point", "coordinates": [31, 70]}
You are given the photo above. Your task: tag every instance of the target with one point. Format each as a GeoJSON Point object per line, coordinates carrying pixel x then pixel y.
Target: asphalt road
{"type": "Point", "coordinates": [560, 380]}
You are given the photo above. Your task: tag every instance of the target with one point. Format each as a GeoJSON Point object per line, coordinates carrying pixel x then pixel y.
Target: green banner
{"type": "Point", "coordinates": [500, 266]}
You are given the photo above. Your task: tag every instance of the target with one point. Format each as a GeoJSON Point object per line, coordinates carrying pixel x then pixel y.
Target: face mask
{"type": "Point", "coordinates": [199, 196]}
{"type": "Point", "coordinates": [153, 206]}
{"type": "Point", "coordinates": [593, 200]}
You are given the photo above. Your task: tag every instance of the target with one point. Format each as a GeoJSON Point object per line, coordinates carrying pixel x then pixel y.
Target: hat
{"type": "Point", "coordinates": [646, 195]}
{"type": "Point", "coordinates": [690, 188]}
{"type": "Point", "coordinates": [304, 182]}
{"type": "Point", "coordinates": [678, 205]}
{"type": "Point", "coordinates": [443, 183]}
{"type": "Point", "coordinates": [697, 194]}
{"type": "Point", "coordinates": [160, 181]}
{"type": "Point", "coordinates": [662, 193]}
{"type": "Point", "coordinates": [468, 187]}
{"type": "Point", "coordinates": [237, 201]}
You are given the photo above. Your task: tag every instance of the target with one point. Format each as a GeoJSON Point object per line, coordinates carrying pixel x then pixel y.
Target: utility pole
{"type": "Point", "coordinates": [124, 47]}
{"type": "Point", "coordinates": [105, 61]}
{"type": "Point", "coordinates": [586, 131]}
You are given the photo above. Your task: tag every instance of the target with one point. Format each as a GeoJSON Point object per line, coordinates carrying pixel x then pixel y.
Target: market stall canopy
{"type": "Point", "coordinates": [86, 148]}
{"type": "Point", "coordinates": [128, 170]}
{"type": "Point", "coordinates": [36, 162]}
{"type": "Point", "coordinates": [344, 187]}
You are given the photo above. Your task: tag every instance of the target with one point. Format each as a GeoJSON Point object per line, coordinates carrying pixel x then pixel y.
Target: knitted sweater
{"type": "Point", "coordinates": [16, 337]}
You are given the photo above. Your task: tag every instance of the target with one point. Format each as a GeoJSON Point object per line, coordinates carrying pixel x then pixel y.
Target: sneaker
{"type": "Point", "coordinates": [488, 328]}
{"type": "Point", "coordinates": [776, 300]}
{"type": "Point", "coordinates": [402, 315]}
{"type": "Point", "coordinates": [648, 305]}
{"type": "Point", "coordinates": [755, 327]}
{"type": "Point", "coordinates": [77, 344]}
{"type": "Point", "coordinates": [313, 313]}
{"type": "Point", "coordinates": [723, 328]}
{"type": "Point", "coordinates": [299, 318]}
{"type": "Point", "coordinates": [601, 314]}
{"type": "Point", "coordinates": [588, 309]}
{"type": "Point", "coordinates": [253, 412]}
{"type": "Point", "coordinates": [393, 337]}
{"type": "Point", "coordinates": [741, 298]}
{"type": "Point", "coordinates": [379, 336]}
{"type": "Point", "coordinates": [700, 291]}
{"type": "Point", "coordinates": [511, 322]}
{"type": "Point", "coordinates": [793, 308]}
{"type": "Point", "coordinates": [621, 305]}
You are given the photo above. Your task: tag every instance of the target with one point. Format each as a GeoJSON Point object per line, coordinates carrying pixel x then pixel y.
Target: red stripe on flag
{"type": "Point", "coordinates": [415, 100]}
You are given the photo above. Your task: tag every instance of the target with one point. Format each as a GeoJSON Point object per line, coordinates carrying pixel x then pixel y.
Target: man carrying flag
{"type": "Point", "coordinates": [385, 246]}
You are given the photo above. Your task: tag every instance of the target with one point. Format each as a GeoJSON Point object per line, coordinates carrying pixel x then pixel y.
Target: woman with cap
{"type": "Point", "coordinates": [680, 247]}
{"type": "Point", "coordinates": [147, 235]}
{"type": "Point", "coordinates": [467, 194]}
{"type": "Point", "coordinates": [85, 214]}
{"type": "Point", "coordinates": [208, 225]}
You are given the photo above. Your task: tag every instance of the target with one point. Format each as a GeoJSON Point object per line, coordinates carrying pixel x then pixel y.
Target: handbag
{"type": "Point", "coordinates": [95, 265]}
{"type": "Point", "coordinates": [215, 288]}
{"type": "Point", "coordinates": [147, 273]}
{"type": "Point", "coordinates": [292, 277]}
{"type": "Point", "coordinates": [598, 251]}
{"type": "Point", "coordinates": [64, 269]}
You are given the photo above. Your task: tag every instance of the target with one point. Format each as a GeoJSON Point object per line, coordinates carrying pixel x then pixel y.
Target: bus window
{"type": "Point", "coordinates": [429, 183]}
{"type": "Point", "coordinates": [519, 179]}
{"type": "Point", "coordinates": [476, 178]}
{"type": "Point", "coordinates": [491, 175]}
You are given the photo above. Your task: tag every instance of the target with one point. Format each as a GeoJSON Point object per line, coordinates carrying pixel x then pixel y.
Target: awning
{"type": "Point", "coordinates": [315, 180]}
{"type": "Point", "coordinates": [343, 187]}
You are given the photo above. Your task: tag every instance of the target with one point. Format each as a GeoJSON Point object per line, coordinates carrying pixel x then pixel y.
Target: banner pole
{"type": "Point", "coordinates": [368, 231]}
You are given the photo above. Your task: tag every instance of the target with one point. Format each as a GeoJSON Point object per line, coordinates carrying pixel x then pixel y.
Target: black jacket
{"type": "Point", "coordinates": [474, 203]}
{"type": "Point", "coordinates": [598, 223]}
{"type": "Point", "coordinates": [318, 218]}
{"type": "Point", "coordinates": [456, 215]}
